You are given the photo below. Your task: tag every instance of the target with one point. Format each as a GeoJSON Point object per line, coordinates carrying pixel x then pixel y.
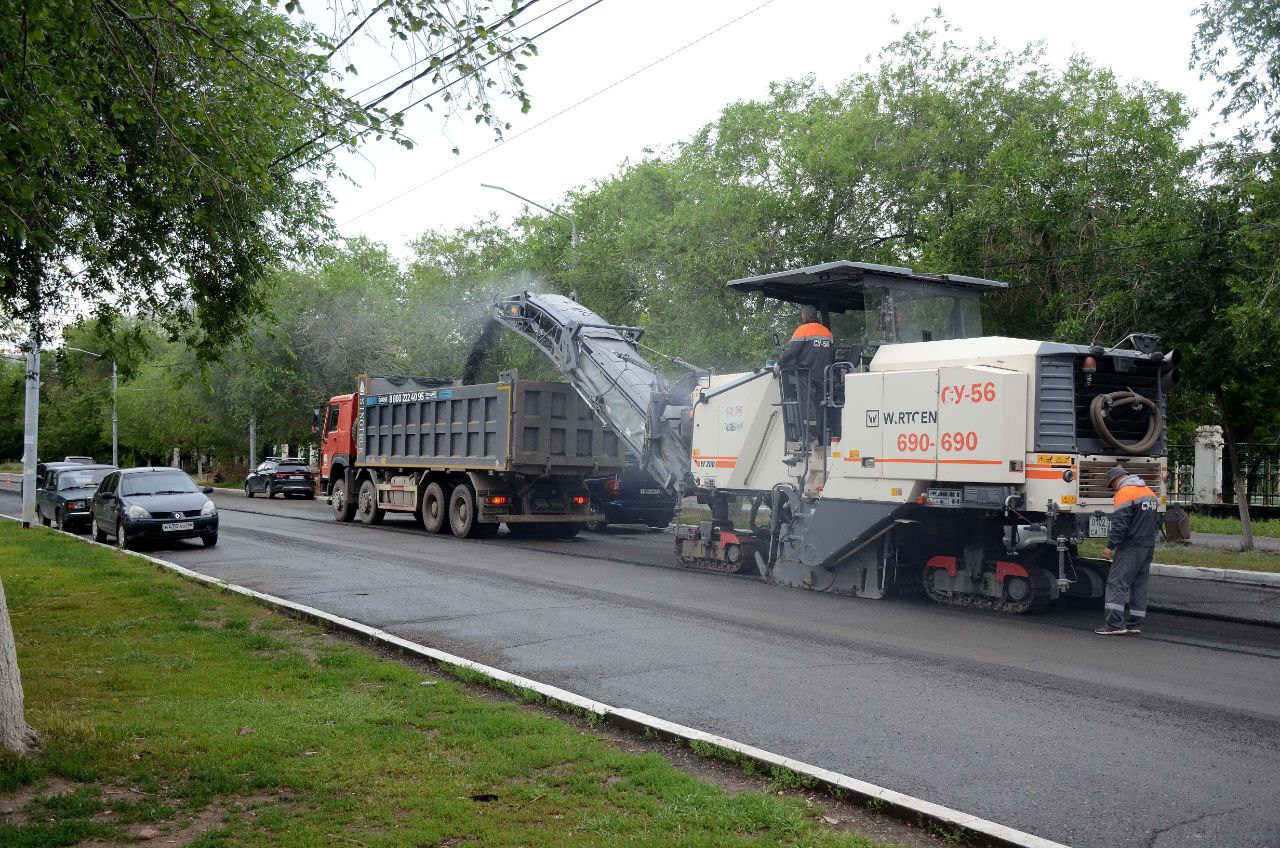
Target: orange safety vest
{"type": "Point", "coordinates": [811, 330]}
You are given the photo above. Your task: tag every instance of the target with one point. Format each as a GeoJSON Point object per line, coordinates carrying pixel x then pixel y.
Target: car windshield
{"type": "Point", "coordinates": [157, 483]}
{"type": "Point", "coordinates": [293, 469]}
{"type": "Point", "coordinates": [82, 479]}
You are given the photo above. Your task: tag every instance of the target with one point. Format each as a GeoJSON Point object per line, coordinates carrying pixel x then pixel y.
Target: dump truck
{"type": "Point", "coordinates": [465, 459]}
{"type": "Point", "coordinates": [968, 467]}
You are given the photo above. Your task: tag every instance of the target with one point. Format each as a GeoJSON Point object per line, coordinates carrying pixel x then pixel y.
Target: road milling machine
{"type": "Point", "coordinates": [969, 466]}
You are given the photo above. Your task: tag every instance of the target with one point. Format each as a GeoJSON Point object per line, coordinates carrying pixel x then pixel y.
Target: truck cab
{"type": "Point", "coordinates": [337, 439]}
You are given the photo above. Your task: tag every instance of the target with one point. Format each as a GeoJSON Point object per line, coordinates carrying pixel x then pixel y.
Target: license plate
{"type": "Point", "coordinates": [650, 491]}
{"type": "Point", "coordinates": [1099, 526]}
{"type": "Point", "coordinates": [297, 477]}
{"type": "Point", "coordinates": [178, 525]}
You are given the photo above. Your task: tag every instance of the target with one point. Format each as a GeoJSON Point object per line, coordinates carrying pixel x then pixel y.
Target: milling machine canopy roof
{"type": "Point", "coordinates": [899, 304]}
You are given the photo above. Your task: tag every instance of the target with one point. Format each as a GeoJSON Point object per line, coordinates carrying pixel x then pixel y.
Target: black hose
{"type": "Point", "coordinates": [1101, 407]}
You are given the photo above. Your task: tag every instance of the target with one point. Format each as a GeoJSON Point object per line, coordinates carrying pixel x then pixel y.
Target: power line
{"type": "Point", "coordinates": [429, 95]}
{"type": "Point", "coordinates": [367, 106]}
{"type": "Point", "coordinates": [418, 62]}
{"type": "Point", "coordinates": [567, 109]}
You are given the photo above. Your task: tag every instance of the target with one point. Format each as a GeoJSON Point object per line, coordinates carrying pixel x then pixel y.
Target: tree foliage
{"type": "Point", "coordinates": [162, 157]}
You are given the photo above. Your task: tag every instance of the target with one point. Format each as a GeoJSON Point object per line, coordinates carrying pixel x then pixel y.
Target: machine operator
{"type": "Point", "coordinates": [1132, 542]}
{"type": "Point", "coordinates": [810, 351]}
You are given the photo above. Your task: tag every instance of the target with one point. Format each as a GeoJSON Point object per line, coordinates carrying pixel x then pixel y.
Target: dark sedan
{"type": "Point", "coordinates": [153, 503]}
{"type": "Point", "coordinates": [66, 494]}
{"type": "Point", "coordinates": [630, 497]}
{"type": "Point", "coordinates": [278, 476]}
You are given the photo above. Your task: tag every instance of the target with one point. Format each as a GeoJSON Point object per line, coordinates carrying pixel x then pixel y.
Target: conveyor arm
{"type": "Point", "coordinates": [602, 362]}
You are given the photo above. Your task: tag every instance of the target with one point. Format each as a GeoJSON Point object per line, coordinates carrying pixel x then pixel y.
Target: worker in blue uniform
{"type": "Point", "coordinates": [1131, 546]}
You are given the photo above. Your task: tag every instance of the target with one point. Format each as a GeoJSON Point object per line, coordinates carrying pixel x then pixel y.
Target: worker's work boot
{"type": "Point", "coordinates": [1108, 630]}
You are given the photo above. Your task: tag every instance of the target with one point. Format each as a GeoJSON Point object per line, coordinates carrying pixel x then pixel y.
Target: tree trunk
{"type": "Point", "coordinates": [1237, 476]}
{"type": "Point", "coordinates": [15, 735]}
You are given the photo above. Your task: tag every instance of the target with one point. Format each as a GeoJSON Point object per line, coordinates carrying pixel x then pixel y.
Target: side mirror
{"type": "Point", "coordinates": [777, 339]}
{"type": "Point", "coordinates": [206, 490]}
{"type": "Point", "coordinates": [315, 420]}
{"type": "Point", "coordinates": [107, 496]}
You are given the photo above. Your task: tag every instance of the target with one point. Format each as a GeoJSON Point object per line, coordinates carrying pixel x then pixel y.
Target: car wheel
{"type": "Point", "coordinates": [343, 508]}
{"type": "Point", "coordinates": [122, 541]}
{"type": "Point", "coordinates": [367, 504]}
{"type": "Point", "coordinates": [98, 535]}
{"type": "Point", "coordinates": [248, 490]}
{"type": "Point", "coordinates": [210, 540]}
{"type": "Point", "coordinates": [270, 492]}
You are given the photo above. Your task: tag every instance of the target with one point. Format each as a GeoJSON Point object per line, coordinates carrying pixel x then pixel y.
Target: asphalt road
{"type": "Point", "coordinates": [1169, 739]}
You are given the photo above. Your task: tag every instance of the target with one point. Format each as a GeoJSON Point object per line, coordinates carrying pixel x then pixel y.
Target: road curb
{"type": "Point", "coordinates": [978, 831]}
{"type": "Point", "coordinates": [1219, 575]}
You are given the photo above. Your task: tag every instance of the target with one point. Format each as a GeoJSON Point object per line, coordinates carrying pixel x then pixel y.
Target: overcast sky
{"type": "Point", "coordinates": [783, 39]}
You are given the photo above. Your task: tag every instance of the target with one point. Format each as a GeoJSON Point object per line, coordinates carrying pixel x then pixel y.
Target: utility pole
{"type": "Point", "coordinates": [573, 225]}
{"type": "Point", "coordinates": [115, 420]}
{"type": "Point", "coordinates": [253, 442]}
{"type": "Point", "coordinates": [31, 430]}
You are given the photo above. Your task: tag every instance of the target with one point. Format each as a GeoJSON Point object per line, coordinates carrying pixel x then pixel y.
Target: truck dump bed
{"type": "Point", "coordinates": [523, 426]}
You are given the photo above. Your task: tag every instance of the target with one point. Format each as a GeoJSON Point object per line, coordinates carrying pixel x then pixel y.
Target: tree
{"type": "Point", "coordinates": [167, 155]}
{"type": "Point", "coordinates": [1235, 247]}
{"type": "Point", "coordinates": [1237, 42]}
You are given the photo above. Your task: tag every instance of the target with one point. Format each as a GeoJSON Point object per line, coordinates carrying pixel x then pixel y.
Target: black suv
{"type": "Point", "coordinates": [278, 476]}
{"type": "Point", "coordinates": [630, 497]}
{"type": "Point", "coordinates": [153, 503]}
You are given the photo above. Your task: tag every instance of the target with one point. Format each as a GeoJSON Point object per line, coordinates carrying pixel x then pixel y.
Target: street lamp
{"type": "Point", "coordinates": [115, 421]}
{"type": "Point", "coordinates": [573, 225]}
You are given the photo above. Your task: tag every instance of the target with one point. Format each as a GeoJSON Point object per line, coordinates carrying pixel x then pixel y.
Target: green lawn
{"type": "Point", "coordinates": [11, 467]}
{"type": "Point", "coordinates": [172, 707]}
{"type": "Point", "coordinates": [1208, 557]}
{"type": "Point", "coordinates": [1231, 526]}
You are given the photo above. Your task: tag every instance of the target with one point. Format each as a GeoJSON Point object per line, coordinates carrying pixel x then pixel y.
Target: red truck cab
{"type": "Point", "coordinates": [337, 441]}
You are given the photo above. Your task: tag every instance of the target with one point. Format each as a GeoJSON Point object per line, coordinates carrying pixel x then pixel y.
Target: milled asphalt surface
{"type": "Point", "coordinates": [1169, 739]}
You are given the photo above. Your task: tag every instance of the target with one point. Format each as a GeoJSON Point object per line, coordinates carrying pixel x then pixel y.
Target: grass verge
{"type": "Point", "coordinates": [170, 709]}
{"type": "Point", "coordinates": [1207, 557]}
{"type": "Point", "coordinates": [1231, 526]}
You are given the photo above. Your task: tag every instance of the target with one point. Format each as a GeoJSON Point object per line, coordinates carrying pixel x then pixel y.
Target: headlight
{"type": "Point", "coordinates": [136, 511]}
{"type": "Point", "coordinates": [208, 509]}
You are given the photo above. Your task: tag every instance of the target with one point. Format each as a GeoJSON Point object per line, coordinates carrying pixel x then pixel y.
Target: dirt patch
{"type": "Point", "coordinates": [16, 801]}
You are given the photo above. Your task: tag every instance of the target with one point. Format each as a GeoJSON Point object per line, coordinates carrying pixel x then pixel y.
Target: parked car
{"type": "Point", "coordinates": [42, 468]}
{"type": "Point", "coordinates": [281, 476]}
{"type": "Point", "coordinates": [153, 503]}
{"type": "Point", "coordinates": [65, 494]}
{"type": "Point", "coordinates": [630, 497]}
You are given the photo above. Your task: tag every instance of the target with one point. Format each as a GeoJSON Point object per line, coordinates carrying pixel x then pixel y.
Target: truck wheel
{"type": "Point", "coordinates": [367, 506]}
{"type": "Point", "coordinates": [462, 515]}
{"type": "Point", "coordinates": [344, 509]}
{"type": "Point", "coordinates": [434, 510]}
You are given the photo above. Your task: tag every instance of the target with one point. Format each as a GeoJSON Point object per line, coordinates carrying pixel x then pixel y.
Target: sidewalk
{"type": "Point", "coordinates": [1227, 542]}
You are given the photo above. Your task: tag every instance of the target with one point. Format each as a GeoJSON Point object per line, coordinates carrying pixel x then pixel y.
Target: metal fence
{"type": "Point", "coordinates": [1261, 467]}
{"type": "Point", "coordinates": [1182, 474]}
